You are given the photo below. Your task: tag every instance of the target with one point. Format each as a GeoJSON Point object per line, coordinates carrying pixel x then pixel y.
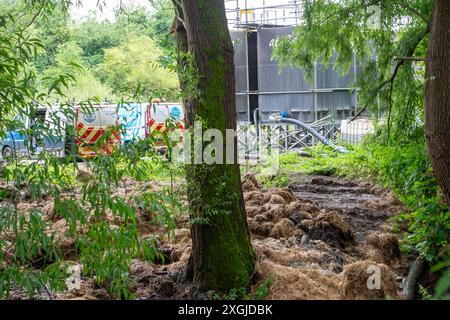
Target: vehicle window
{"type": "Point", "coordinates": [20, 121]}
{"type": "Point", "coordinates": [108, 116]}
{"type": "Point", "coordinates": [39, 118]}
{"type": "Point", "coordinates": [162, 112]}
{"type": "Point", "coordinates": [40, 115]}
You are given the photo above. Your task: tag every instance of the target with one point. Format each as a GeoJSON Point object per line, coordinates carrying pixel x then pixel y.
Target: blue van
{"type": "Point", "coordinates": [132, 120]}
{"type": "Point", "coordinates": [48, 127]}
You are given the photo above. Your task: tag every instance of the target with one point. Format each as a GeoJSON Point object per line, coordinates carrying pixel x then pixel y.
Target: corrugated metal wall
{"type": "Point", "coordinates": [240, 61]}
{"type": "Point", "coordinates": [287, 90]}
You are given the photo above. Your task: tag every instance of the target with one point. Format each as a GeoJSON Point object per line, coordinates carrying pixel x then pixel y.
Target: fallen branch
{"type": "Point", "coordinates": [410, 58]}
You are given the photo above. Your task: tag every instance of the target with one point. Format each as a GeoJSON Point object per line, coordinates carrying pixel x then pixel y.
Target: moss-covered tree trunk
{"type": "Point", "coordinates": [222, 254]}
{"type": "Point", "coordinates": [437, 96]}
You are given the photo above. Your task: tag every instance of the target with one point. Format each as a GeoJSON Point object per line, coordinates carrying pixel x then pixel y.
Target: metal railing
{"type": "Point", "coordinates": [242, 15]}
{"type": "Point", "coordinates": [281, 136]}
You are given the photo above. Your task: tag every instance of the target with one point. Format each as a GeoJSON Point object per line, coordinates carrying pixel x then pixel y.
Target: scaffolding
{"type": "Point", "coordinates": [251, 14]}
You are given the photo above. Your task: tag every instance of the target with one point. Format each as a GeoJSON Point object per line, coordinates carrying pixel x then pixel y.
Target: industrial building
{"type": "Point", "coordinates": [261, 82]}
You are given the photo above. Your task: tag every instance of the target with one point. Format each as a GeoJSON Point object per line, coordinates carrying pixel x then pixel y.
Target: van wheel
{"type": "Point", "coordinates": [7, 154]}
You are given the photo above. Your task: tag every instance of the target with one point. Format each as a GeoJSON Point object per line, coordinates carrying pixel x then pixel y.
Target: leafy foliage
{"type": "Point", "coordinates": [69, 60]}
{"type": "Point", "coordinates": [389, 39]}
{"type": "Point", "coordinates": [380, 33]}
{"type": "Point", "coordinates": [94, 37]}
{"type": "Point", "coordinates": [160, 27]}
{"type": "Point", "coordinates": [133, 67]}
{"type": "Point", "coordinates": [61, 40]}
{"type": "Point", "coordinates": [101, 227]}
{"type": "Point", "coordinates": [259, 292]}
{"type": "Point", "coordinates": [104, 225]}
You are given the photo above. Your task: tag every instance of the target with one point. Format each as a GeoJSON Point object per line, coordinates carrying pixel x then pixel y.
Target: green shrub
{"type": "Point", "coordinates": [401, 166]}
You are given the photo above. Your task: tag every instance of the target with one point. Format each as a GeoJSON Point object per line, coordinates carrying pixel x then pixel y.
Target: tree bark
{"type": "Point", "coordinates": [187, 272]}
{"type": "Point", "coordinates": [222, 255]}
{"type": "Point", "coordinates": [437, 96]}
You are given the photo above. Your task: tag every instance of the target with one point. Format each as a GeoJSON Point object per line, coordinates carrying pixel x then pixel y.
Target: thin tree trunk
{"type": "Point", "coordinates": [222, 254]}
{"type": "Point", "coordinates": [437, 96]}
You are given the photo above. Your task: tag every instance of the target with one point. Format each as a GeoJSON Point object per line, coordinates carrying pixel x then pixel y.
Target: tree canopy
{"type": "Point", "coordinates": [79, 47]}
{"type": "Point", "coordinates": [389, 39]}
{"type": "Point", "coordinates": [133, 67]}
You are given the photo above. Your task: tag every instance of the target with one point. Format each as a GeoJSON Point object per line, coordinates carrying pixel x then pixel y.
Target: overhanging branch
{"type": "Point", "coordinates": [391, 79]}
{"type": "Point", "coordinates": [419, 14]}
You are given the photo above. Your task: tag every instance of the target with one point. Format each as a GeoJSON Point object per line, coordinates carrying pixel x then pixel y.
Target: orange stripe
{"type": "Point", "coordinates": [80, 132]}
{"type": "Point", "coordinates": [115, 135]}
{"type": "Point", "coordinates": [90, 135]}
{"type": "Point", "coordinates": [95, 137]}
{"type": "Point", "coordinates": [87, 133]}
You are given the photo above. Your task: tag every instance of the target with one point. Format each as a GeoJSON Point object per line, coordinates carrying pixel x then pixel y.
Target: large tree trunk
{"type": "Point", "coordinates": [222, 255]}
{"type": "Point", "coordinates": [437, 96]}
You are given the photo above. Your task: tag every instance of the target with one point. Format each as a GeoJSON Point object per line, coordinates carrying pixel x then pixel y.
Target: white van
{"type": "Point", "coordinates": [158, 114]}
{"type": "Point", "coordinates": [92, 123]}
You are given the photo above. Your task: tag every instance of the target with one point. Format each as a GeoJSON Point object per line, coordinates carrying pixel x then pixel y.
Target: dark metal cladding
{"type": "Point", "coordinates": [240, 61]}
{"type": "Point", "coordinates": [287, 89]}
{"type": "Point", "coordinates": [338, 104]}
{"type": "Point", "coordinates": [271, 77]}
{"type": "Point", "coordinates": [262, 83]}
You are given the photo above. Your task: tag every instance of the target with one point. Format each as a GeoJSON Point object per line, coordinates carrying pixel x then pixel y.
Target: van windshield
{"type": "Point", "coordinates": [19, 121]}
{"type": "Point", "coordinates": [108, 116]}
{"type": "Point", "coordinates": [39, 118]}
{"type": "Point", "coordinates": [163, 112]}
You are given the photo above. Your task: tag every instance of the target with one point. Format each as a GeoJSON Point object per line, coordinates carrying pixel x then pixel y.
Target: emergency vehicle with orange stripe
{"type": "Point", "coordinates": [96, 130]}
{"type": "Point", "coordinates": [163, 118]}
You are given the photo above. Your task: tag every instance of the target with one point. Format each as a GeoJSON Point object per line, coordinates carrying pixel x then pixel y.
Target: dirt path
{"type": "Point", "coordinates": [320, 238]}
{"type": "Point", "coordinates": [364, 206]}
{"type": "Point", "coordinates": [326, 238]}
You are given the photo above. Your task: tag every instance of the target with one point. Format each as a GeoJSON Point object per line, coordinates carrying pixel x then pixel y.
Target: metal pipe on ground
{"type": "Point", "coordinates": [255, 121]}
{"type": "Point", "coordinates": [307, 128]}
